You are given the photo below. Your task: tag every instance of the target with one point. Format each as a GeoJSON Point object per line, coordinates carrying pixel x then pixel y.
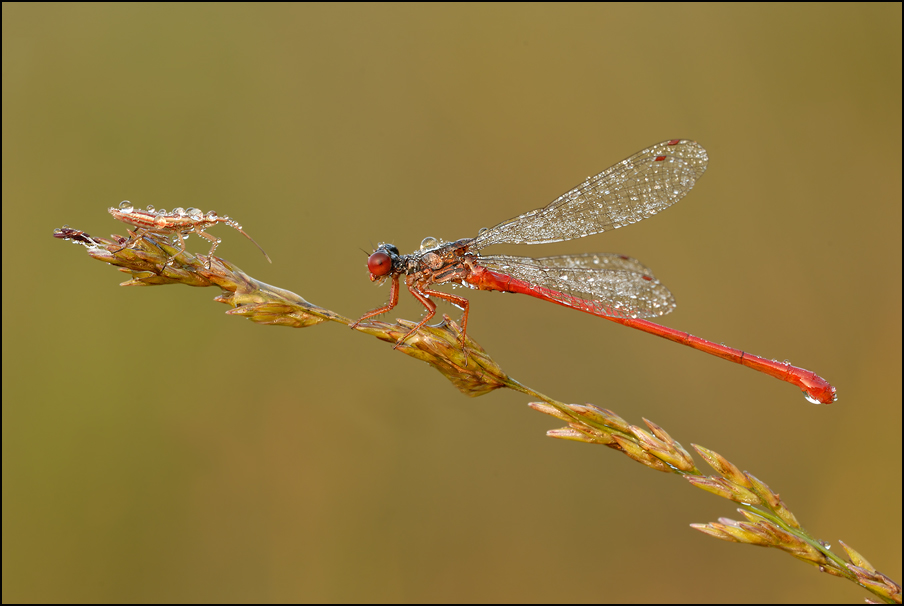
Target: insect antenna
{"type": "Point", "coordinates": [239, 229]}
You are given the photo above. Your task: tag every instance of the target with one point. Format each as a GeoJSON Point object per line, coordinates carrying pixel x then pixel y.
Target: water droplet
{"type": "Point", "coordinates": [482, 231]}
{"type": "Point", "coordinates": [126, 206]}
{"type": "Point", "coordinates": [179, 211]}
{"type": "Point", "coordinates": [151, 208]}
{"type": "Point", "coordinates": [212, 215]}
{"type": "Point", "coordinates": [811, 399]}
{"type": "Point", "coordinates": [429, 242]}
{"type": "Point", "coordinates": [194, 213]}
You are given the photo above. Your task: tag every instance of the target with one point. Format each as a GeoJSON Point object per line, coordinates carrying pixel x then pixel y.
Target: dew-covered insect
{"type": "Point", "coordinates": [180, 223]}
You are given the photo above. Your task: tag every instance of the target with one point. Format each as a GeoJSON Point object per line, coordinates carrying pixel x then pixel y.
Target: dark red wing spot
{"type": "Point", "coordinates": [660, 158]}
{"type": "Point", "coordinates": [647, 278]}
{"type": "Point", "coordinates": [674, 141]}
{"type": "Point", "coordinates": [379, 264]}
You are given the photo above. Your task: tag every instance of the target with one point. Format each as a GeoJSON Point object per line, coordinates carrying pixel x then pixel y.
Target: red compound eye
{"type": "Point", "coordinates": [379, 263]}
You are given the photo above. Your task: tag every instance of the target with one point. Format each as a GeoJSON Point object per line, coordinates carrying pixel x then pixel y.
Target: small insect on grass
{"type": "Point", "coordinates": [180, 223]}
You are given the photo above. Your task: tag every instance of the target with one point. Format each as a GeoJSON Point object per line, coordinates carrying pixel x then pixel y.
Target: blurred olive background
{"type": "Point", "coordinates": [155, 449]}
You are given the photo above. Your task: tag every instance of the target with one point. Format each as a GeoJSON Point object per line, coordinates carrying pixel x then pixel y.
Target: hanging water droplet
{"type": "Point", "coordinates": [811, 399]}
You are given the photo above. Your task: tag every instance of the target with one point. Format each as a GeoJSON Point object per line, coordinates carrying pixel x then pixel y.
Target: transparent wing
{"type": "Point", "coordinates": [613, 285]}
{"type": "Point", "coordinates": [632, 190]}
